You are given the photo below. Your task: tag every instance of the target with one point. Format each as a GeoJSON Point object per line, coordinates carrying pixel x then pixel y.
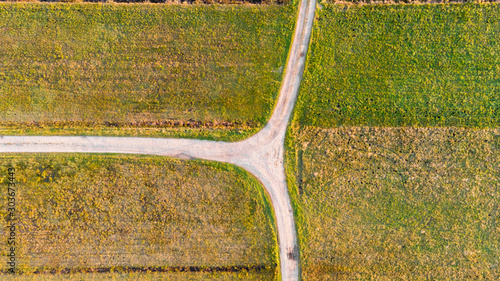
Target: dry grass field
{"type": "Point", "coordinates": [81, 211]}
{"type": "Point", "coordinates": [397, 203]}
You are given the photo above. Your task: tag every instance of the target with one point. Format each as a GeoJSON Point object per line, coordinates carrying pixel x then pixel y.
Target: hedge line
{"type": "Point", "coordinates": [267, 2]}
{"type": "Point", "coordinates": [406, 1]}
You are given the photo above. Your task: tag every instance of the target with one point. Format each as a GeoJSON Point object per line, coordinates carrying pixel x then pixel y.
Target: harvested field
{"type": "Point", "coordinates": [86, 213]}
{"type": "Point", "coordinates": [397, 203]}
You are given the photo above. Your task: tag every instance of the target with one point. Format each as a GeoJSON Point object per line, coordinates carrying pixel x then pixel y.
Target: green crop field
{"type": "Point", "coordinates": [81, 212]}
{"type": "Point", "coordinates": [141, 69]}
{"type": "Point", "coordinates": [393, 152]}
{"type": "Point", "coordinates": [397, 203]}
{"type": "Point", "coordinates": [403, 65]}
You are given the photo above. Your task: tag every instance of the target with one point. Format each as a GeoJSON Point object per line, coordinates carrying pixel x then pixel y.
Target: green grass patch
{"type": "Point", "coordinates": [397, 203]}
{"type": "Point", "coordinates": [81, 212]}
{"type": "Point", "coordinates": [71, 64]}
{"type": "Point", "coordinates": [403, 65]}
{"type": "Point", "coordinates": [207, 133]}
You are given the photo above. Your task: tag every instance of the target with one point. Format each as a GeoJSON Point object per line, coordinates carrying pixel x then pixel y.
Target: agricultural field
{"type": "Point", "coordinates": [403, 65]}
{"type": "Point", "coordinates": [392, 155]}
{"type": "Point", "coordinates": [209, 71]}
{"type": "Point", "coordinates": [82, 212]}
{"type": "Point", "coordinates": [397, 203]}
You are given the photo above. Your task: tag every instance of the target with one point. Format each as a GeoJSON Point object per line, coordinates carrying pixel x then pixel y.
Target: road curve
{"type": "Point", "coordinates": [262, 154]}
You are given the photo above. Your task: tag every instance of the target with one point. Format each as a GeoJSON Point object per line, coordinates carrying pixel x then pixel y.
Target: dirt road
{"type": "Point", "coordinates": [261, 154]}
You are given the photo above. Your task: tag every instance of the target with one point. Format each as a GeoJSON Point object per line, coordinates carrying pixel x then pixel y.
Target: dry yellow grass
{"type": "Point", "coordinates": [106, 211]}
{"type": "Point", "coordinates": [398, 203]}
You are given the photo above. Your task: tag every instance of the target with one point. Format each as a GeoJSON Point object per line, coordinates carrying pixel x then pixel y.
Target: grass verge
{"type": "Point", "coordinates": [207, 133]}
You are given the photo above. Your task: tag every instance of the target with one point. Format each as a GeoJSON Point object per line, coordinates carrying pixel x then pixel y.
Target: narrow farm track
{"type": "Point", "coordinates": [262, 154]}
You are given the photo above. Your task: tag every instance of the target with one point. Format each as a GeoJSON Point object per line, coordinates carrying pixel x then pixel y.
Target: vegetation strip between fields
{"type": "Point", "coordinates": [237, 268]}
{"type": "Point", "coordinates": [136, 124]}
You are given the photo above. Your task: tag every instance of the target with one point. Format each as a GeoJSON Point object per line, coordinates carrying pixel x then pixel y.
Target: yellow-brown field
{"type": "Point", "coordinates": [397, 203]}
{"type": "Point", "coordinates": [81, 211]}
